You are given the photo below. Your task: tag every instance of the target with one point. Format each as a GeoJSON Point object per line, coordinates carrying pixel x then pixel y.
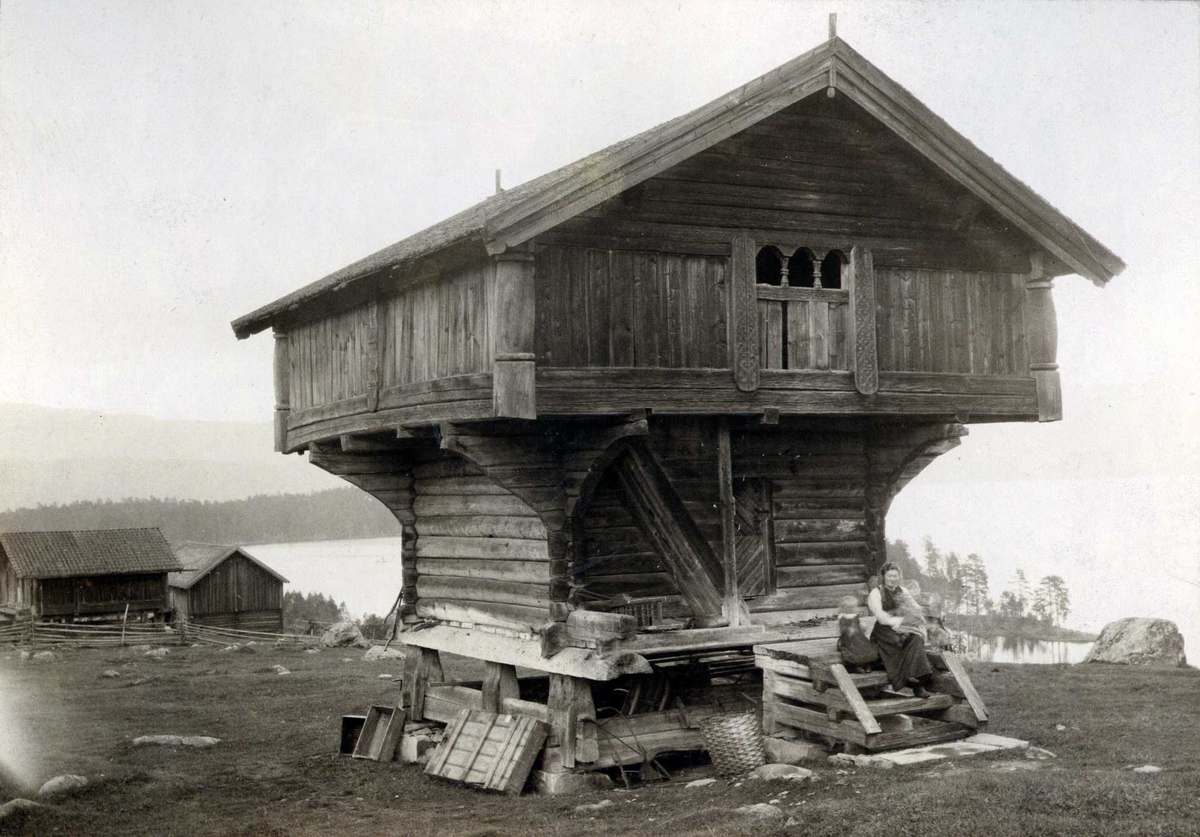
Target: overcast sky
{"type": "Point", "coordinates": [169, 166]}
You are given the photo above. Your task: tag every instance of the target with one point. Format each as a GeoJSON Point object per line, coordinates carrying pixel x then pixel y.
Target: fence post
{"type": "Point", "coordinates": [124, 619]}
{"type": "Point", "coordinates": [182, 630]}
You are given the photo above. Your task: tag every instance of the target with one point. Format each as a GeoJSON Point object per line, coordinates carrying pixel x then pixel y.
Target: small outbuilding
{"type": "Point", "coordinates": [92, 573]}
{"type": "Point", "coordinates": [226, 587]}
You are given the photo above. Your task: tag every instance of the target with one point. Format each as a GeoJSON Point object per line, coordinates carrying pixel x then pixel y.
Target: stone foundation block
{"type": "Point", "coordinates": [784, 751]}
{"type": "Point", "coordinates": [570, 784]}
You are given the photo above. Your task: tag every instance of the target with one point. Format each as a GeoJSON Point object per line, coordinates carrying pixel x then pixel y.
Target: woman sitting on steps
{"type": "Point", "coordinates": [902, 651]}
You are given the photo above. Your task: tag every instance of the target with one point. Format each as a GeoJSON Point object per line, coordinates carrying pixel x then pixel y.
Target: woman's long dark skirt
{"type": "Point", "coordinates": [903, 655]}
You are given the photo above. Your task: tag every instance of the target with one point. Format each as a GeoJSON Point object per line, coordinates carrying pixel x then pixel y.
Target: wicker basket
{"type": "Point", "coordinates": [734, 742]}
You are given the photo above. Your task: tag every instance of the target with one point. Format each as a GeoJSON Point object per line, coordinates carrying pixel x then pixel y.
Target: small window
{"type": "Point", "coordinates": [769, 267]}
{"type": "Point", "coordinates": [801, 269]}
{"type": "Point", "coordinates": [831, 269]}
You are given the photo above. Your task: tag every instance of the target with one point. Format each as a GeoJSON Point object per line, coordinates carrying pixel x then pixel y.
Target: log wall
{"type": "Point", "coordinates": [818, 479]}
{"type": "Point", "coordinates": [820, 174]}
{"type": "Point", "coordinates": [481, 553]}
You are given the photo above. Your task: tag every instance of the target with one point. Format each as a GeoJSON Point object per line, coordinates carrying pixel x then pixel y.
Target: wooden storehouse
{"type": "Point", "coordinates": [226, 587]}
{"type": "Point", "coordinates": [641, 418]}
{"type": "Point", "coordinates": [87, 574]}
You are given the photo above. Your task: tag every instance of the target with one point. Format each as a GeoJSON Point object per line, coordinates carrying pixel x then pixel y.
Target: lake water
{"type": "Point", "coordinates": [1002, 649]}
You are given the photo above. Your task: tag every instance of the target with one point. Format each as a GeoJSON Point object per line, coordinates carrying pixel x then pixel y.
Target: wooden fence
{"type": "Point", "coordinates": [109, 634]}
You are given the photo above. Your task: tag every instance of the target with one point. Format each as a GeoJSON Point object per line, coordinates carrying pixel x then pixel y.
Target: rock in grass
{"type": "Point", "coordinates": [13, 808]}
{"type": "Point", "coordinates": [47, 657]}
{"type": "Point", "coordinates": [594, 807]}
{"type": "Point", "coordinates": [1139, 642]}
{"type": "Point", "coordinates": [1038, 754]}
{"type": "Point", "coordinates": [25, 655]}
{"type": "Point", "coordinates": [701, 783]}
{"type": "Point", "coordinates": [138, 649]}
{"type": "Point", "coordinates": [61, 786]}
{"type": "Point", "coordinates": [786, 772]}
{"type": "Point", "coordinates": [112, 672]}
{"type": "Point", "coordinates": [1148, 768]}
{"type": "Point", "coordinates": [343, 634]}
{"type": "Point", "coordinates": [280, 670]}
{"type": "Point", "coordinates": [157, 653]}
{"type": "Point", "coordinates": [176, 741]}
{"type": "Point", "coordinates": [231, 648]}
{"type": "Point", "coordinates": [378, 652]}
{"type": "Point", "coordinates": [385, 677]}
{"type": "Point", "coordinates": [761, 811]}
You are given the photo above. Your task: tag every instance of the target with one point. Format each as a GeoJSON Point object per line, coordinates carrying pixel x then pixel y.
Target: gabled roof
{"type": "Point", "coordinates": [91, 552]}
{"type": "Point", "coordinates": [199, 559]}
{"type": "Point", "coordinates": [517, 215]}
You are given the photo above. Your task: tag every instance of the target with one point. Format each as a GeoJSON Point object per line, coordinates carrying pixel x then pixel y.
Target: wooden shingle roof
{"type": "Point", "coordinates": [199, 559]}
{"type": "Point", "coordinates": [514, 216]}
{"type": "Point", "coordinates": [89, 552]}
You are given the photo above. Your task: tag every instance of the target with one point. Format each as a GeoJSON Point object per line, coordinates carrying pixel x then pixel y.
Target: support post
{"type": "Point", "coordinates": [512, 317]}
{"type": "Point", "coordinates": [421, 667]}
{"type": "Point", "coordinates": [1041, 334]}
{"type": "Point", "coordinates": [282, 391]}
{"type": "Point", "coordinates": [499, 682]}
{"type": "Point", "coordinates": [563, 715]}
{"type": "Point", "coordinates": [732, 608]}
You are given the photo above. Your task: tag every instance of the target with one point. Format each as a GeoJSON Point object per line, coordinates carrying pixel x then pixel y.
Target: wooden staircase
{"type": "Point", "coordinates": [807, 687]}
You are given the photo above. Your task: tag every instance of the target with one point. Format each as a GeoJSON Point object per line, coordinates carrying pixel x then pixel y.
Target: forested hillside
{"type": "Point", "coordinates": [335, 513]}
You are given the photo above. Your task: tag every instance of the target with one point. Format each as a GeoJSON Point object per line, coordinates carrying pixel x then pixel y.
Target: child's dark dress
{"type": "Point", "coordinates": [903, 654]}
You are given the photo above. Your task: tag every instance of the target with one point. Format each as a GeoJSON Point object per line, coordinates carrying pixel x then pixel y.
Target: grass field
{"type": "Point", "coordinates": [275, 771]}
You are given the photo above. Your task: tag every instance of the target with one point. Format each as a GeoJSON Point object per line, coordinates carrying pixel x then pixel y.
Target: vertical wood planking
{"type": "Point", "coordinates": [799, 356]}
{"type": "Point", "coordinates": [647, 330]}
{"type": "Point", "coordinates": [621, 308]}
{"type": "Point", "coordinates": [598, 323]}
{"type": "Point", "coordinates": [818, 334]}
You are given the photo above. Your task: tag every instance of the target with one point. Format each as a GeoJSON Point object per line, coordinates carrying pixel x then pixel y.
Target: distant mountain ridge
{"type": "Point", "coordinates": [54, 456]}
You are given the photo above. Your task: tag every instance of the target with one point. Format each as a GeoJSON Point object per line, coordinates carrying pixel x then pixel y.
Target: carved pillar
{"type": "Point", "coordinates": [743, 315]}
{"type": "Point", "coordinates": [512, 316]}
{"type": "Point", "coordinates": [860, 280]}
{"type": "Point", "coordinates": [282, 391]}
{"type": "Point", "coordinates": [1041, 334]}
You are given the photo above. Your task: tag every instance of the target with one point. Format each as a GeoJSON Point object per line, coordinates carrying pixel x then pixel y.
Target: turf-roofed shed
{"type": "Point", "coordinates": [93, 573]}
{"type": "Point", "coordinates": [644, 414]}
{"type": "Point", "coordinates": [226, 587]}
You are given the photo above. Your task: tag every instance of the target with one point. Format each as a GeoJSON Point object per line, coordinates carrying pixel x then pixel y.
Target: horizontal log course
{"type": "Point", "coordinates": [599, 543]}
{"type": "Point", "coordinates": [515, 549]}
{"type": "Point", "coordinates": [800, 531]}
{"type": "Point", "coordinates": [503, 592]}
{"type": "Point", "coordinates": [819, 554]}
{"type": "Point", "coordinates": [641, 584]}
{"type": "Point", "coordinates": [464, 486]}
{"type": "Point", "coordinates": [485, 504]}
{"type": "Point", "coordinates": [445, 467]}
{"type": "Point", "coordinates": [820, 576]}
{"type": "Point", "coordinates": [481, 526]}
{"type": "Point", "coordinates": [803, 598]}
{"type": "Point", "coordinates": [529, 572]}
{"type": "Point", "coordinates": [498, 614]}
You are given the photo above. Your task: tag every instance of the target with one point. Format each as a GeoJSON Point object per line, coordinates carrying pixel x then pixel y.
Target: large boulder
{"type": "Point", "coordinates": [343, 634]}
{"type": "Point", "coordinates": [378, 652]}
{"type": "Point", "coordinates": [65, 785]}
{"type": "Point", "coordinates": [1137, 641]}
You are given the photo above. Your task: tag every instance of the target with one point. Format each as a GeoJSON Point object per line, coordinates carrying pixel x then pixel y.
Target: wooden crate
{"type": "Point", "coordinates": [380, 734]}
{"type": "Point", "coordinates": [806, 686]}
{"type": "Point", "coordinates": [488, 750]}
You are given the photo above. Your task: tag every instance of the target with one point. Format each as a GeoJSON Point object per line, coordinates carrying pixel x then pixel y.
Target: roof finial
{"type": "Point", "coordinates": [499, 188]}
{"type": "Point", "coordinates": [832, 25]}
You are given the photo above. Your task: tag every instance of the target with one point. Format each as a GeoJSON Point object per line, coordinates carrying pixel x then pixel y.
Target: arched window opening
{"type": "Point", "coordinates": [768, 267]}
{"type": "Point", "coordinates": [831, 269]}
{"type": "Point", "coordinates": [801, 269]}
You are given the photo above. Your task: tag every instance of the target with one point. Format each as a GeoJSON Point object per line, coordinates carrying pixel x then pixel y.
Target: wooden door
{"type": "Point", "coordinates": [754, 546]}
